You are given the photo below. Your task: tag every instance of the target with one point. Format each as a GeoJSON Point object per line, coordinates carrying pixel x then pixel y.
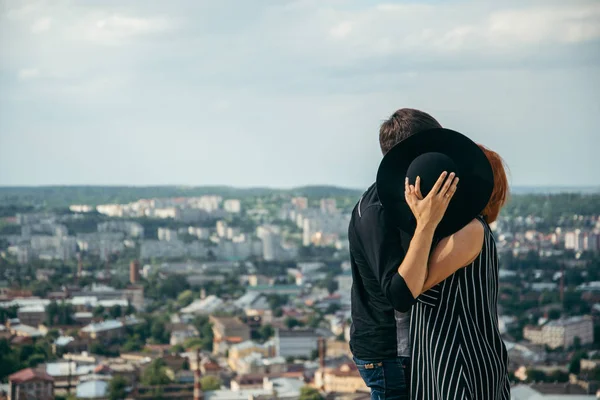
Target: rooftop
{"type": "Point", "coordinates": [26, 330]}
{"type": "Point", "coordinates": [61, 368]}
{"type": "Point", "coordinates": [249, 379]}
{"type": "Point", "coordinates": [102, 326]}
{"type": "Point", "coordinates": [526, 392]}
{"type": "Point", "coordinates": [248, 344]}
{"type": "Point", "coordinates": [296, 332]}
{"type": "Point", "coordinates": [228, 322]}
{"type": "Point", "coordinates": [28, 375]}
{"type": "Point", "coordinates": [92, 390]}
{"type": "Point", "coordinates": [38, 308]}
{"type": "Point", "coordinates": [208, 304]}
{"type": "Point", "coordinates": [569, 321]}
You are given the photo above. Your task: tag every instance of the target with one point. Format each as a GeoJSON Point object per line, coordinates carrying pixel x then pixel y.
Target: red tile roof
{"type": "Point", "coordinates": [28, 375]}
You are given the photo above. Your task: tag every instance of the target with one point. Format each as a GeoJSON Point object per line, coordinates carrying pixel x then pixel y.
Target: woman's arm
{"type": "Point", "coordinates": [454, 252]}
{"type": "Point", "coordinates": [428, 213]}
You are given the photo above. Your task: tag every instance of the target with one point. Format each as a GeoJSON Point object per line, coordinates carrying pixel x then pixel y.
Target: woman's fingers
{"type": "Point", "coordinates": [438, 184]}
{"type": "Point", "coordinates": [444, 191]}
{"type": "Point", "coordinates": [452, 190]}
{"type": "Point", "coordinates": [410, 196]}
{"type": "Point", "coordinates": [418, 188]}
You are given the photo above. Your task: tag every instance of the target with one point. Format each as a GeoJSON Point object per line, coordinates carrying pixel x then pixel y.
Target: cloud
{"type": "Point", "coordinates": [28, 74]}
{"type": "Point", "coordinates": [453, 27]}
{"type": "Point", "coordinates": [117, 29]}
{"type": "Point", "coordinates": [543, 25]}
{"type": "Point", "coordinates": [41, 25]}
{"type": "Point", "coordinates": [341, 30]}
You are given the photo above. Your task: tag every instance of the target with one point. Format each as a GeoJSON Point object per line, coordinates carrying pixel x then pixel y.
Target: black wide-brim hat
{"type": "Point", "coordinates": [427, 154]}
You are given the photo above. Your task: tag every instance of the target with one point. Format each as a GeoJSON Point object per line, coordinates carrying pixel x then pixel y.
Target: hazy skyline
{"type": "Point", "coordinates": [285, 93]}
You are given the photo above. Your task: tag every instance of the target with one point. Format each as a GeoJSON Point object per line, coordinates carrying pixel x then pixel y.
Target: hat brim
{"type": "Point", "coordinates": [473, 192]}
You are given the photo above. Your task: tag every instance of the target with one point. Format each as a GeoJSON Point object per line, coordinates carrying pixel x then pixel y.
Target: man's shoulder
{"type": "Point", "coordinates": [368, 202]}
{"type": "Point", "coordinates": [368, 216]}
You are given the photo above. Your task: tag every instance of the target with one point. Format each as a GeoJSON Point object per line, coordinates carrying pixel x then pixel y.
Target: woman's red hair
{"type": "Point", "coordinates": [500, 192]}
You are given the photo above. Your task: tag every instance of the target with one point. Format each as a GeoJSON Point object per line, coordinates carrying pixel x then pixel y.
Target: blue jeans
{"type": "Point", "coordinates": [388, 379]}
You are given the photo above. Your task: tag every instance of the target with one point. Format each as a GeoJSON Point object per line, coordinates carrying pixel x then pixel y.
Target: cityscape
{"type": "Point", "coordinates": [244, 294]}
{"type": "Point", "coordinates": [177, 181]}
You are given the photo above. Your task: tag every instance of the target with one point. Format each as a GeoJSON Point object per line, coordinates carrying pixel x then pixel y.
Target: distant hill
{"type": "Point", "coordinates": [554, 189]}
{"type": "Point", "coordinates": [63, 196]}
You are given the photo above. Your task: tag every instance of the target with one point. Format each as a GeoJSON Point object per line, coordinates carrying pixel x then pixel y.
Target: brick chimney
{"type": "Point", "coordinates": [79, 267]}
{"type": "Point", "coordinates": [198, 395]}
{"type": "Point", "coordinates": [134, 272]}
{"type": "Point", "coordinates": [322, 348]}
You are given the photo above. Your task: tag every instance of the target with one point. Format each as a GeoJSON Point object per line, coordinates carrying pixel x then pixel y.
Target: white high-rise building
{"type": "Point", "coordinates": [222, 228]}
{"type": "Point", "coordinates": [591, 241]}
{"type": "Point", "coordinates": [562, 332]}
{"type": "Point", "coordinates": [167, 234]}
{"type": "Point", "coordinates": [300, 203]}
{"type": "Point", "coordinates": [328, 206]}
{"type": "Point", "coordinates": [232, 206]}
{"type": "Point", "coordinates": [574, 240]}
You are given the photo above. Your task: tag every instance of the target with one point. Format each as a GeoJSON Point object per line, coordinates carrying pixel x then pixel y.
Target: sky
{"type": "Point", "coordinates": [283, 93]}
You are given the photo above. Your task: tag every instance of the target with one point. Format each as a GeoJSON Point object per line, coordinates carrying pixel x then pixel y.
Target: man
{"type": "Point", "coordinates": [382, 293]}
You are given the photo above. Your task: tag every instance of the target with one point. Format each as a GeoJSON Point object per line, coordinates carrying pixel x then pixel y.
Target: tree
{"type": "Point", "coordinates": [116, 311]}
{"type": "Point", "coordinates": [554, 314]}
{"type": "Point", "coordinates": [159, 332]}
{"type": "Point", "coordinates": [277, 301]}
{"type": "Point", "coordinates": [575, 363]}
{"type": "Point", "coordinates": [133, 343]}
{"type": "Point", "coordinates": [97, 348]}
{"type": "Point", "coordinates": [315, 320]}
{"type": "Point", "coordinates": [266, 332]}
{"type": "Point", "coordinates": [155, 374]}
{"type": "Point", "coordinates": [116, 388]}
{"type": "Point", "coordinates": [309, 393]}
{"type": "Point", "coordinates": [51, 313]}
{"type": "Point", "coordinates": [35, 360]}
{"type": "Point", "coordinates": [332, 285]}
{"type": "Point", "coordinates": [210, 382]}
{"type": "Point", "coordinates": [558, 376]}
{"type": "Point", "coordinates": [577, 343]}
{"type": "Point", "coordinates": [53, 334]}
{"type": "Point", "coordinates": [8, 313]}
{"type": "Point", "coordinates": [65, 313]}
{"type": "Point", "coordinates": [535, 375]}
{"type": "Point", "coordinates": [130, 309]}
{"type": "Point", "coordinates": [206, 333]}
{"type": "Point", "coordinates": [178, 348]}
{"type": "Point", "coordinates": [98, 311]}
{"type": "Point", "coordinates": [172, 286]}
{"type": "Point", "coordinates": [291, 322]}
{"type": "Point", "coordinates": [185, 298]}
{"type": "Point", "coordinates": [193, 343]}
{"type": "Point", "coordinates": [333, 308]}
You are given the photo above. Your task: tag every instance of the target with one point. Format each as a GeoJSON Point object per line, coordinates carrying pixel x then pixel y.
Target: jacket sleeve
{"type": "Point", "coordinates": [384, 252]}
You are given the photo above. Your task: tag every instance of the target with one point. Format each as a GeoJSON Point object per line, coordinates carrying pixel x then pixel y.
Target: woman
{"type": "Point", "coordinates": [457, 350]}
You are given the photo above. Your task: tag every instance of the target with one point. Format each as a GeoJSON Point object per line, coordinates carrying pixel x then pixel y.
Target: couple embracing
{"type": "Point", "coordinates": [425, 268]}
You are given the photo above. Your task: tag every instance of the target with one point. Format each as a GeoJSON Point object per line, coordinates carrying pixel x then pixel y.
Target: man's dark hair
{"type": "Point", "coordinates": [402, 124]}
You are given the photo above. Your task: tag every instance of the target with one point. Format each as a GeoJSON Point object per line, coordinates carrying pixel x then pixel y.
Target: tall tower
{"type": "Point", "coordinates": [134, 272]}
{"type": "Point", "coordinates": [79, 267]}
{"type": "Point", "coordinates": [562, 284]}
{"type": "Point", "coordinates": [322, 348]}
{"type": "Point", "coordinates": [198, 395]}
{"type": "Point", "coordinates": [106, 266]}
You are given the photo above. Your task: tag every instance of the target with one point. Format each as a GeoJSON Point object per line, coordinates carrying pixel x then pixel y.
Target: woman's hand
{"type": "Point", "coordinates": [430, 210]}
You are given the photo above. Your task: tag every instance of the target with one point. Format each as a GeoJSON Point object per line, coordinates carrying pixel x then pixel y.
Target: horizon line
{"type": "Point", "coordinates": [216, 186]}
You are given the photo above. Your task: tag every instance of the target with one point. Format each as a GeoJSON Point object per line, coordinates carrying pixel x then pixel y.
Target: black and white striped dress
{"type": "Point", "coordinates": [458, 352]}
